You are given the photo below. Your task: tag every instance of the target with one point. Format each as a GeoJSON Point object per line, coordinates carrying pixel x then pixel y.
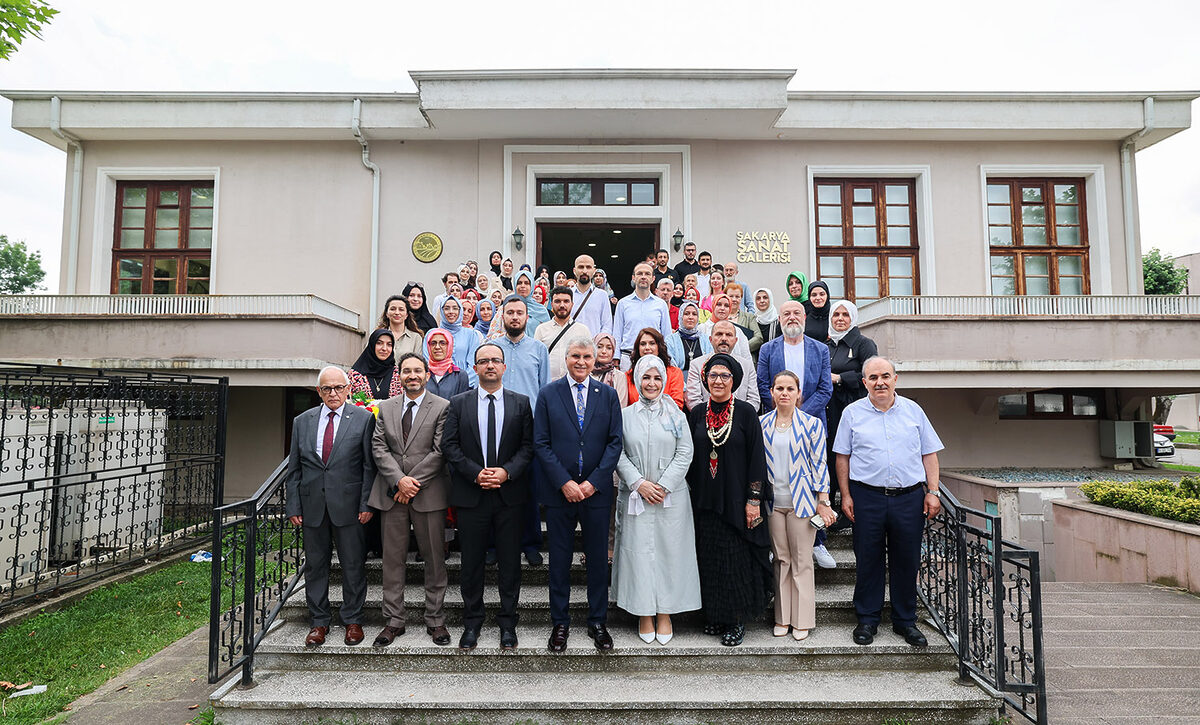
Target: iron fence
{"type": "Point", "coordinates": [101, 470]}
{"type": "Point", "coordinates": [984, 594]}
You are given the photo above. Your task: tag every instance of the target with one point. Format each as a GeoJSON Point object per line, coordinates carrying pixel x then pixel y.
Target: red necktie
{"type": "Point", "coordinates": [327, 443]}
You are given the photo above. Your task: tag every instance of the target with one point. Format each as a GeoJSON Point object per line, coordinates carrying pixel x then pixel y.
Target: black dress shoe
{"type": "Point", "coordinates": [534, 557]}
{"type": "Point", "coordinates": [599, 633]}
{"type": "Point", "coordinates": [558, 638]}
{"type": "Point", "coordinates": [489, 559]}
{"type": "Point", "coordinates": [469, 638]}
{"type": "Point", "coordinates": [864, 634]}
{"type": "Point", "coordinates": [911, 634]}
{"type": "Point", "coordinates": [508, 639]}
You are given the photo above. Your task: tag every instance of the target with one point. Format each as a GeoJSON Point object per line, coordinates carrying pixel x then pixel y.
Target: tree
{"type": "Point", "coordinates": [20, 271]}
{"type": "Point", "coordinates": [1161, 276]}
{"type": "Point", "coordinates": [20, 18]}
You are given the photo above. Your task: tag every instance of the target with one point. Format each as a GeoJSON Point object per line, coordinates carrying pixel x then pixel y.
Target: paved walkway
{"type": "Point", "coordinates": [1121, 653]}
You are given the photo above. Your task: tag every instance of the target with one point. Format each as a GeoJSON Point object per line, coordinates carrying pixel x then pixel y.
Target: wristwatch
{"type": "Point", "coordinates": [825, 502]}
{"type": "Point", "coordinates": [934, 492]}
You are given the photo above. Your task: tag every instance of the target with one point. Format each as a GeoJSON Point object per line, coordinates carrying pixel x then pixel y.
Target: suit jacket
{"type": "Point", "coordinates": [816, 381]}
{"type": "Point", "coordinates": [420, 458]}
{"type": "Point", "coordinates": [464, 452]}
{"type": "Point", "coordinates": [340, 486]}
{"type": "Point", "coordinates": [558, 440]}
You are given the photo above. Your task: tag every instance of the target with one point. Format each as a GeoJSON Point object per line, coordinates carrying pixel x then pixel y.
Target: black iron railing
{"type": "Point", "coordinates": [257, 562]}
{"type": "Point", "coordinates": [101, 470]}
{"type": "Point", "coordinates": [985, 594]}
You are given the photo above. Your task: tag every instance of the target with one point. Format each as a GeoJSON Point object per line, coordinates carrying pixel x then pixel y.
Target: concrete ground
{"type": "Point", "coordinates": [1186, 456]}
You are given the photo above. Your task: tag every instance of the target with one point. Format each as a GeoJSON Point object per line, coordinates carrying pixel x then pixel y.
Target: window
{"type": "Point", "coordinates": [162, 244]}
{"type": "Point", "coordinates": [867, 237]}
{"type": "Point", "coordinates": [597, 192]}
{"type": "Point", "coordinates": [1037, 236]}
{"type": "Point", "coordinates": [1051, 404]}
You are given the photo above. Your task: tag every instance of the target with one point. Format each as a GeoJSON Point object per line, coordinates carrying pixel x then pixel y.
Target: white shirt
{"type": "Point", "coordinates": [416, 404]}
{"type": "Point", "coordinates": [323, 420]}
{"type": "Point", "coordinates": [793, 357]}
{"type": "Point", "coordinates": [483, 418]}
{"type": "Point", "coordinates": [703, 285]}
{"type": "Point", "coordinates": [572, 382]}
{"type": "Point", "coordinates": [597, 314]}
{"type": "Point", "coordinates": [545, 334]}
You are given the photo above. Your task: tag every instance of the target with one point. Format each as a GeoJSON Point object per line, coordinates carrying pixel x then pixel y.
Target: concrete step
{"type": "Point", "coordinates": [848, 698]}
{"type": "Point", "coordinates": [828, 648]}
{"type": "Point", "coordinates": [834, 605]}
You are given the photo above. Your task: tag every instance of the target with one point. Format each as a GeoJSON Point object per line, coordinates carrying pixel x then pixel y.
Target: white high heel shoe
{"type": "Point", "coordinates": [664, 638]}
{"type": "Point", "coordinates": [646, 637]}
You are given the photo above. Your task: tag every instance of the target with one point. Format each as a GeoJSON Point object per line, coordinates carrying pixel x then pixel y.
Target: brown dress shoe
{"type": "Point", "coordinates": [354, 634]}
{"type": "Point", "coordinates": [316, 636]}
{"type": "Point", "coordinates": [440, 635]}
{"type": "Point", "coordinates": [388, 634]}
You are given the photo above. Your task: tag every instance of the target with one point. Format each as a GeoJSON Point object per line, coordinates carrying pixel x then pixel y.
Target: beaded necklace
{"type": "Point", "coordinates": [719, 428]}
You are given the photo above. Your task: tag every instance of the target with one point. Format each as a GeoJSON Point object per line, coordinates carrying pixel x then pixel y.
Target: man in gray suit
{"type": "Point", "coordinates": [330, 470]}
{"type": "Point", "coordinates": [411, 489]}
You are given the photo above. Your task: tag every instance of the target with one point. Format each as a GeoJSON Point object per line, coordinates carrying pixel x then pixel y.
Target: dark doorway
{"type": "Point", "coordinates": [615, 247]}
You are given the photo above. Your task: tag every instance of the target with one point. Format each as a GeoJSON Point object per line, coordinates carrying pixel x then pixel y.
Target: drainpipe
{"type": "Point", "coordinates": [76, 193]}
{"type": "Point", "coordinates": [1133, 263]}
{"type": "Point", "coordinates": [366, 159]}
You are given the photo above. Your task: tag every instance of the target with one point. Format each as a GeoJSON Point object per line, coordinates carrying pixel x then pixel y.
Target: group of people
{"type": "Point", "coordinates": [669, 433]}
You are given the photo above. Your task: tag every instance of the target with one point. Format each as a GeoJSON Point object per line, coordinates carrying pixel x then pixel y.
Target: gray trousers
{"type": "Point", "coordinates": [430, 528]}
{"type": "Point", "coordinates": [318, 553]}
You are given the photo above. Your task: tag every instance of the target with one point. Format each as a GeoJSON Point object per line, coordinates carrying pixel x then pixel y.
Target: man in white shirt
{"type": "Point", "coordinates": [702, 276]}
{"type": "Point", "coordinates": [723, 338]}
{"type": "Point", "coordinates": [590, 304]}
{"type": "Point", "coordinates": [637, 312]}
{"type": "Point", "coordinates": [555, 332]}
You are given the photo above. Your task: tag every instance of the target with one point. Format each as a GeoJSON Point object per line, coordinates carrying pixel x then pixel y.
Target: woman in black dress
{"type": "Point", "coordinates": [816, 312]}
{"type": "Point", "coordinates": [848, 350]}
{"type": "Point", "coordinates": [418, 307]}
{"type": "Point", "coordinates": [730, 500]}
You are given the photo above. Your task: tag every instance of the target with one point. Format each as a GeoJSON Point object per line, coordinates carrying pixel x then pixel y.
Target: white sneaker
{"type": "Point", "coordinates": [823, 557]}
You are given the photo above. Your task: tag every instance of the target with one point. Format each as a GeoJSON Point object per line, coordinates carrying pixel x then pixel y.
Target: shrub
{"type": "Point", "coordinates": [1164, 499]}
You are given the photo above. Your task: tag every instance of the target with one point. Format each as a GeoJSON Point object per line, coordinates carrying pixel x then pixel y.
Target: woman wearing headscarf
{"type": "Point", "coordinates": [687, 343]}
{"type": "Point", "coordinates": [600, 281]}
{"type": "Point", "coordinates": [816, 312]}
{"type": "Point", "coordinates": [468, 309]}
{"type": "Point", "coordinates": [848, 350]}
{"type": "Point", "coordinates": [506, 274]}
{"type": "Point", "coordinates": [765, 314]}
{"type": "Point", "coordinates": [723, 309]}
{"type": "Point", "coordinates": [799, 478]}
{"type": "Point", "coordinates": [654, 567]}
{"type": "Point", "coordinates": [374, 372]}
{"type": "Point", "coordinates": [484, 312]}
{"type": "Point", "coordinates": [524, 289]}
{"type": "Point", "coordinates": [397, 318]}
{"type": "Point", "coordinates": [730, 500]}
{"type": "Point", "coordinates": [495, 259]}
{"type": "Point", "coordinates": [797, 287]}
{"type": "Point", "coordinates": [466, 278]}
{"type": "Point", "coordinates": [650, 342]}
{"type": "Point", "coordinates": [466, 339]}
{"type": "Point", "coordinates": [483, 285]}
{"type": "Point", "coordinates": [445, 378]}
{"type": "Point", "coordinates": [415, 294]}
{"type": "Point", "coordinates": [607, 368]}
{"type": "Point", "coordinates": [560, 279]}
{"type": "Point", "coordinates": [539, 294]}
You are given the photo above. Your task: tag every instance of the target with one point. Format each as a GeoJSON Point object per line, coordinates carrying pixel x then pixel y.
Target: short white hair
{"type": "Point", "coordinates": [581, 341]}
{"type": "Point", "coordinates": [327, 368]}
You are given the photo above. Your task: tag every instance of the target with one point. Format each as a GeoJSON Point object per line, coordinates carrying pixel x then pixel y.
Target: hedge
{"type": "Point", "coordinates": [1165, 499]}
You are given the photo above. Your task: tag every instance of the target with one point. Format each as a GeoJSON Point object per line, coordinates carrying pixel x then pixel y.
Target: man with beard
{"type": "Point", "coordinates": [724, 337]}
{"type": "Point", "coordinates": [638, 311]}
{"type": "Point", "coordinates": [554, 332]}
{"type": "Point", "coordinates": [661, 271]}
{"type": "Point", "coordinates": [688, 265]}
{"type": "Point", "coordinates": [703, 273]}
{"type": "Point", "coordinates": [590, 306]}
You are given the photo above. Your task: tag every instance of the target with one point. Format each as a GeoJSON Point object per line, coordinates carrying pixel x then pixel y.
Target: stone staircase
{"type": "Point", "coordinates": [825, 679]}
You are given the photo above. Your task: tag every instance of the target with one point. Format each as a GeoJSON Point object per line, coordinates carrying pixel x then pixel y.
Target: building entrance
{"type": "Point", "coordinates": [615, 247]}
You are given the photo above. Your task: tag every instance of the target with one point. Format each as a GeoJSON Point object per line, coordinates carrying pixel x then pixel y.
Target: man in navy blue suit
{"type": "Point", "coordinates": [577, 441]}
{"type": "Point", "coordinates": [800, 354]}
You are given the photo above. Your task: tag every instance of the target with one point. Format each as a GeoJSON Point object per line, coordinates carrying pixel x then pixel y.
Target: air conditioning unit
{"type": "Point", "coordinates": [26, 455]}
{"type": "Point", "coordinates": [1127, 439]}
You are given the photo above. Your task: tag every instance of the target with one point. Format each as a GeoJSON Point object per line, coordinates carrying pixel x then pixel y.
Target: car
{"type": "Point", "coordinates": [1163, 447]}
{"type": "Point", "coordinates": [1165, 430]}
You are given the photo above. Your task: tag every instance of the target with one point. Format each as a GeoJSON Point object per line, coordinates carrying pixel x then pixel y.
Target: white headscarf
{"type": "Point", "coordinates": [772, 314]}
{"type": "Point", "coordinates": [662, 408]}
{"type": "Point", "coordinates": [851, 310]}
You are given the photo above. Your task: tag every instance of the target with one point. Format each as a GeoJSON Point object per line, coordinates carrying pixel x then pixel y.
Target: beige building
{"type": "Point", "coordinates": [990, 240]}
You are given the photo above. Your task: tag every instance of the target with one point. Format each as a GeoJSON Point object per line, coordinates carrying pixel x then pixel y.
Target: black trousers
{"type": "Point", "coordinates": [887, 540]}
{"type": "Point", "coordinates": [318, 554]}
{"type": "Point", "coordinates": [477, 525]}
{"type": "Point", "coordinates": [560, 529]}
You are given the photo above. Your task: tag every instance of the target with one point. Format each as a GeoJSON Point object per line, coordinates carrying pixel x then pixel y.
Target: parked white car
{"type": "Point", "coordinates": [1163, 447]}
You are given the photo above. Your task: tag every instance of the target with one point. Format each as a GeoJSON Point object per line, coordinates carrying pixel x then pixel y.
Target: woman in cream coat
{"type": "Point", "coordinates": [654, 567]}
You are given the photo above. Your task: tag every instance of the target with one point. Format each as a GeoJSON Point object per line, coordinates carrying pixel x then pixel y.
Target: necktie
{"type": "Point", "coordinates": [579, 411]}
{"type": "Point", "coordinates": [491, 431]}
{"type": "Point", "coordinates": [406, 421]}
{"type": "Point", "coordinates": [327, 441]}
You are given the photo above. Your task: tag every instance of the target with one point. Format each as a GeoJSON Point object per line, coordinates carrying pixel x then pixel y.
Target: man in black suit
{"type": "Point", "coordinates": [577, 440]}
{"type": "Point", "coordinates": [488, 444]}
{"type": "Point", "coordinates": [330, 472]}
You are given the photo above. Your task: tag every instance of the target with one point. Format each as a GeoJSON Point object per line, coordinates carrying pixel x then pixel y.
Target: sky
{"type": "Point", "coordinates": [259, 45]}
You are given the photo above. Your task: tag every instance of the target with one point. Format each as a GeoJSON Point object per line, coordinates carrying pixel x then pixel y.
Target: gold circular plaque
{"type": "Point", "coordinates": [427, 247]}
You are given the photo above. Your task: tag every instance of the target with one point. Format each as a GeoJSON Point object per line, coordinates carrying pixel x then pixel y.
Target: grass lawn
{"type": "Point", "coordinates": [1182, 467]}
{"type": "Point", "coordinates": [76, 649]}
{"type": "Point", "coordinates": [1187, 436]}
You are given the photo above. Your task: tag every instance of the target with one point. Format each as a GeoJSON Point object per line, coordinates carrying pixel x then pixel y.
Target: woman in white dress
{"type": "Point", "coordinates": [654, 568]}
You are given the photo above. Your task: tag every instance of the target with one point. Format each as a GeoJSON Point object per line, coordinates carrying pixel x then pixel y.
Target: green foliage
{"type": "Point", "coordinates": [20, 271]}
{"type": "Point", "coordinates": [1165, 499]}
{"type": "Point", "coordinates": [20, 18]}
{"type": "Point", "coordinates": [1161, 276]}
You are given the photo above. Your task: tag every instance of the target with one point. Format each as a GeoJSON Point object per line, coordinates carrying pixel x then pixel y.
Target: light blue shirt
{"type": "Point", "coordinates": [885, 447]}
{"type": "Point", "coordinates": [634, 314]}
{"type": "Point", "coordinates": [527, 365]}
{"type": "Point", "coordinates": [596, 315]}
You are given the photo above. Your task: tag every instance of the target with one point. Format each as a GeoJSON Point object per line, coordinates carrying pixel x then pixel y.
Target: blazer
{"type": "Point", "coordinates": [463, 449]}
{"type": "Point", "coordinates": [558, 441]}
{"type": "Point", "coordinates": [420, 458]}
{"type": "Point", "coordinates": [805, 470]}
{"type": "Point", "coordinates": [340, 486]}
{"type": "Point", "coordinates": [817, 385]}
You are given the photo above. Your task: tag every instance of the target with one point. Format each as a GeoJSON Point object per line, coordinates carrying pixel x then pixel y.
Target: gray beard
{"type": "Point", "coordinates": [793, 332]}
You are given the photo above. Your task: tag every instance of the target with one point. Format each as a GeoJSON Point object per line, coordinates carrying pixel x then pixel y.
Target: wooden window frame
{"type": "Point", "coordinates": [598, 190]}
{"type": "Point", "coordinates": [847, 251]}
{"type": "Point", "coordinates": [1068, 405]}
{"type": "Point", "coordinates": [1052, 250]}
{"type": "Point", "coordinates": [148, 255]}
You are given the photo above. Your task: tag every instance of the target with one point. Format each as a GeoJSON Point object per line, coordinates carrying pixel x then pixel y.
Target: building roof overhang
{"type": "Point", "coordinates": [608, 104]}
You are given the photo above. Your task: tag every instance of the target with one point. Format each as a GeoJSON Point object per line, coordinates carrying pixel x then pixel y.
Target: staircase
{"type": "Point", "coordinates": [825, 679]}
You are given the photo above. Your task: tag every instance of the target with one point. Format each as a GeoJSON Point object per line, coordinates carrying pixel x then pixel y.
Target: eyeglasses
{"type": "Point", "coordinates": [722, 377]}
{"type": "Point", "coordinates": [489, 361]}
{"type": "Point", "coordinates": [327, 389]}
{"type": "Point", "coordinates": [437, 343]}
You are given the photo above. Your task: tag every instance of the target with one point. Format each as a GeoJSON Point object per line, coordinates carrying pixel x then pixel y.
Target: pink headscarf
{"type": "Point", "coordinates": [447, 365]}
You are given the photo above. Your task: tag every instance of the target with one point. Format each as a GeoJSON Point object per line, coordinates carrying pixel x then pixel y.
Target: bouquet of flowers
{"type": "Point", "coordinates": [363, 400]}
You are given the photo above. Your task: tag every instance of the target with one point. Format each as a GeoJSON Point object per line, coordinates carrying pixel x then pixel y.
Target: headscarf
{"type": "Point", "coordinates": [803, 286]}
{"type": "Point", "coordinates": [482, 326]}
{"type": "Point", "coordinates": [721, 358]}
{"type": "Point", "coordinates": [816, 320]}
{"type": "Point", "coordinates": [537, 311]}
{"type": "Point", "coordinates": [605, 287]}
{"type": "Point", "coordinates": [602, 369]}
{"type": "Point", "coordinates": [467, 317]}
{"type": "Point", "coordinates": [732, 315]}
{"type": "Point", "coordinates": [377, 372]}
{"type": "Point", "coordinates": [852, 310]}
{"type": "Point", "coordinates": [691, 291]}
{"type": "Point", "coordinates": [495, 267]}
{"type": "Point", "coordinates": [685, 333]}
{"type": "Point", "coordinates": [422, 316]}
{"type": "Point", "coordinates": [663, 407]}
{"type": "Point", "coordinates": [447, 365]}
{"type": "Point", "coordinates": [452, 328]}
{"type": "Point", "coordinates": [772, 314]}
{"type": "Point", "coordinates": [480, 289]}
{"type": "Point", "coordinates": [497, 292]}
